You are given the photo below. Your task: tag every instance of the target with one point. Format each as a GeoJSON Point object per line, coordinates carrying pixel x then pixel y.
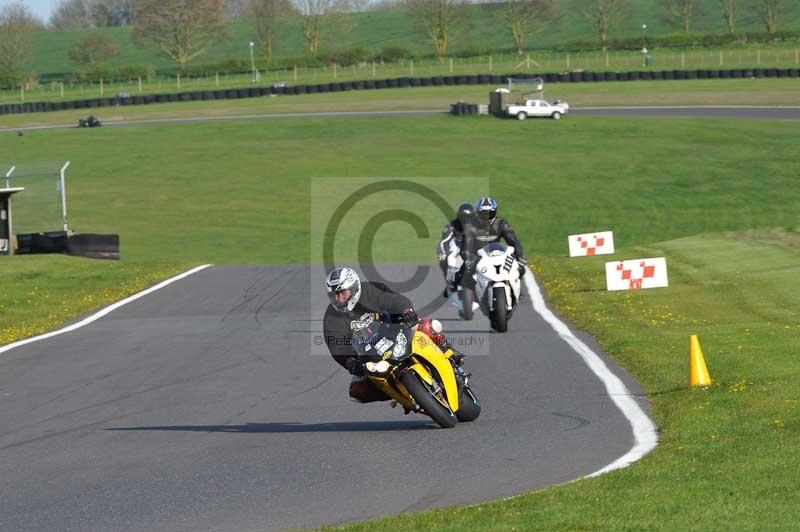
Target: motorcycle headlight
{"type": "Point", "coordinates": [400, 349]}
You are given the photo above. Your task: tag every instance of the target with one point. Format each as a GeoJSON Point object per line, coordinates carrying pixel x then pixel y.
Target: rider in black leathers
{"type": "Point", "coordinates": [349, 300]}
{"type": "Point", "coordinates": [488, 228]}
{"type": "Point", "coordinates": [453, 234]}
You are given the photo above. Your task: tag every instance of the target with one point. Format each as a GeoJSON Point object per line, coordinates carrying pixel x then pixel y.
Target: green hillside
{"type": "Point", "coordinates": [375, 30]}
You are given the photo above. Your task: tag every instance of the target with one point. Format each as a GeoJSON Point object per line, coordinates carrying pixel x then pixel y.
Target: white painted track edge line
{"type": "Point", "coordinates": [104, 311]}
{"type": "Point", "coordinates": [645, 433]}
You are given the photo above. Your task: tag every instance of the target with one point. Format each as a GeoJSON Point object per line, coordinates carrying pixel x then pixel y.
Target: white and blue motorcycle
{"type": "Point", "coordinates": [497, 285]}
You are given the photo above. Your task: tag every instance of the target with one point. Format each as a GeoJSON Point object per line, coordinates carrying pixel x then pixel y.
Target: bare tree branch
{"type": "Point", "coordinates": [438, 19]}
{"type": "Point", "coordinates": [603, 14]}
{"type": "Point", "coordinates": [180, 29]}
{"type": "Point", "coordinates": [681, 9]}
{"type": "Point", "coordinates": [770, 11]}
{"type": "Point", "coordinates": [72, 14]}
{"type": "Point", "coordinates": [526, 18]}
{"type": "Point", "coordinates": [93, 50]}
{"type": "Point", "coordinates": [268, 16]}
{"type": "Point", "coordinates": [729, 12]}
{"type": "Point", "coordinates": [320, 18]}
{"type": "Point", "coordinates": [17, 25]}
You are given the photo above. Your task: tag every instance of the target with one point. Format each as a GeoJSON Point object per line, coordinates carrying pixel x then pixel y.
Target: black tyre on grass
{"type": "Point", "coordinates": [429, 400]}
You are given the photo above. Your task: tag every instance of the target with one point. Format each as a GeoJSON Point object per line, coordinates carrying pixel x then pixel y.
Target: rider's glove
{"type": "Point", "coordinates": [354, 367]}
{"type": "Point", "coordinates": [410, 317]}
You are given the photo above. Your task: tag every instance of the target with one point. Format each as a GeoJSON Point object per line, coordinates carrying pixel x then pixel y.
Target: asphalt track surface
{"type": "Point", "coordinates": [755, 112]}
{"type": "Point", "coordinates": [207, 405]}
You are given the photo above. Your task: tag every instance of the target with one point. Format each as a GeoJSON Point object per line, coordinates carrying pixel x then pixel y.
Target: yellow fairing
{"type": "Point", "coordinates": [424, 347]}
{"type": "Point", "coordinates": [400, 396]}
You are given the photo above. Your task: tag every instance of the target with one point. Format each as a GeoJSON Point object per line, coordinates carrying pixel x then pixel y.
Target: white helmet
{"type": "Point", "coordinates": [341, 280]}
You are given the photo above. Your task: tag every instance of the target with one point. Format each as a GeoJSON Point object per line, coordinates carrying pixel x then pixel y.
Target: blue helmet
{"type": "Point", "coordinates": [486, 210]}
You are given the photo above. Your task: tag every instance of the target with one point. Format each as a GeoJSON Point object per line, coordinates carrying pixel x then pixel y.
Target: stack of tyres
{"type": "Point", "coordinates": [464, 109]}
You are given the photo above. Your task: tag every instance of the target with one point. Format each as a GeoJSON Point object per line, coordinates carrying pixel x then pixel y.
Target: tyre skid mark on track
{"type": "Point", "coordinates": [644, 430]}
{"type": "Point", "coordinates": [582, 422]}
{"type": "Point", "coordinates": [102, 312]}
{"type": "Point", "coordinates": [126, 396]}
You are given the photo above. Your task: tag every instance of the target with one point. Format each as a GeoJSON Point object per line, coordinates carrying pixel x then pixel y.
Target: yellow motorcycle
{"type": "Point", "coordinates": [408, 366]}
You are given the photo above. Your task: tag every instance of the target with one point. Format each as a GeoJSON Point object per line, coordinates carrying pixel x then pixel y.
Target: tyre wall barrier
{"type": "Point", "coordinates": [93, 246]}
{"type": "Point", "coordinates": [403, 82]}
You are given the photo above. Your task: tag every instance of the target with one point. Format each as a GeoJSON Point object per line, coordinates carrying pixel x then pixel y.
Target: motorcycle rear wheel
{"type": "Point", "coordinates": [500, 312]}
{"type": "Point", "coordinates": [424, 397]}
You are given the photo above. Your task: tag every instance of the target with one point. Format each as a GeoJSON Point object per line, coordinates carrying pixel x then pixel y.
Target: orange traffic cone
{"type": "Point", "coordinates": [698, 372]}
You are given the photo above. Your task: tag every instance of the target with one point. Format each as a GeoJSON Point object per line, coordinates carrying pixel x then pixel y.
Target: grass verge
{"type": "Point", "coordinates": [728, 453]}
{"type": "Point", "coordinates": [695, 92]}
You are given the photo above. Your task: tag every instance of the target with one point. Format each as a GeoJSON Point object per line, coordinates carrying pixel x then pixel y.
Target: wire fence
{"type": "Point", "coordinates": [502, 64]}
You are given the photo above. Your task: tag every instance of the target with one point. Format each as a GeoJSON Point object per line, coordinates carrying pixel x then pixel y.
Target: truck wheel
{"type": "Point", "coordinates": [556, 116]}
{"type": "Point", "coordinates": [521, 115]}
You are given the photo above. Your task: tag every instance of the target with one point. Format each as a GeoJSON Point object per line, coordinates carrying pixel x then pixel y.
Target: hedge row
{"type": "Point", "coordinates": [251, 92]}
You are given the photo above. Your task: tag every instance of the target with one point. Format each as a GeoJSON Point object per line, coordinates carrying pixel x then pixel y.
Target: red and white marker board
{"type": "Point", "coordinates": [589, 244]}
{"type": "Point", "coordinates": [636, 274]}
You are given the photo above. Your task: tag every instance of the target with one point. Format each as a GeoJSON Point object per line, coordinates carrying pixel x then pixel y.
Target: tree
{"type": "Point", "coordinates": [267, 16]}
{"type": "Point", "coordinates": [438, 19]}
{"type": "Point", "coordinates": [603, 14]}
{"type": "Point", "coordinates": [71, 14]}
{"type": "Point", "coordinates": [108, 13]}
{"type": "Point", "coordinates": [527, 17]}
{"type": "Point", "coordinates": [729, 12]}
{"type": "Point", "coordinates": [681, 9]}
{"type": "Point", "coordinates": [17, 25]}
{"type": "Point", "coordinates": [93, 51]}
{"type": "Point", "coordinates": [92, 14]}
{"type": "Point", "coordinates": [320, 17]}
{"type": "Point", "coordinates": [769, 11]}
{"type": "Point", "coordinates": [236, 9]}
{"type": "Point", "coordinates": [181, 30]}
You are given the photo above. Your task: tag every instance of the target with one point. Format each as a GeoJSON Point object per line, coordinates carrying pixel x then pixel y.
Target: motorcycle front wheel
{"type": "Point", "coordinates": [500, 312]}
{"type": "Point", "coordinates": [424, 396]}
{"type": "Point", "coordinates": [469, 408]}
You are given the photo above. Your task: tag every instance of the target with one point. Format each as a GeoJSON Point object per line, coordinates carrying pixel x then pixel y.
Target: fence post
{"type": "Point", "coordinates": [373, 69]}
{"type": "Point", "coordinates": [178, 78]}
{"type": "Point", "coordinates": [606, 59]}
{"type": "Point", "coordinates": [334, 71]}
{"type": "Point", "coordinates": [101, 86]}
{"type": "Point", "coordinates": [490, 63]}
{"type": "Point", "coordinates": [140, 84]}
{"type": "Point", "coordinates": [451, 65]}
{"type": "Point", "coordinates": [758, 57]}
{"type": "Point", "coordinates": [216, 79]}
{"type": "Point", "coordinates": [567, 61]}
{"type": "Point", "coordinates": [62, 89]}
{"type": "Point", "coordinates": [22, 93]}
{"type": "Point", "coordinates": [411, 66]}
{"type": "Point", "coordinates": [720, 58]}
{"type": "Point", "coordinates": [295, 73]}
